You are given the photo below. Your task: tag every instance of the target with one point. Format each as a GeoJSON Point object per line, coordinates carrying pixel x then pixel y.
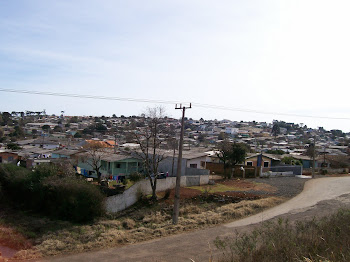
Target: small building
{"type": "Point", "coordinates": [111, 165]}
{"type": "Point", "coordinates": [268, 160]}
{"type": "Point", "coordinates": [64, 153]}
{"type": "Point", "coordinates": [7, 156]}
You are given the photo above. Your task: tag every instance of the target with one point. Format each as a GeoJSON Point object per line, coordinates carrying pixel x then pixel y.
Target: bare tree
{"type": "Point", "coordinates": [95, 151]}
{"type": "Point", "coordinates": [149, 139]}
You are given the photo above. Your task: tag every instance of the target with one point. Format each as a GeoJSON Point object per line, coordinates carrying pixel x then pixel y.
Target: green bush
{"type": "Point", "coordinates": [71, 198]}
{"type": "Point", "coordinates": [51, 191]}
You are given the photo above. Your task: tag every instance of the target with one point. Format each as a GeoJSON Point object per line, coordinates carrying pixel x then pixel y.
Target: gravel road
{"type": "Point", "coordinates": [286, 186]}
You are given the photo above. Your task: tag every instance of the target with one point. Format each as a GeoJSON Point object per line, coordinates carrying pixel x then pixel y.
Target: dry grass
{"type": "Point", "coordinates": [145, 226]}
{"type": "Point", "coordinates": [324, 239]}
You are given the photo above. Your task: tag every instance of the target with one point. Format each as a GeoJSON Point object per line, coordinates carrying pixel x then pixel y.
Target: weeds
{"type": "Point", "coordinates": [326, 239]}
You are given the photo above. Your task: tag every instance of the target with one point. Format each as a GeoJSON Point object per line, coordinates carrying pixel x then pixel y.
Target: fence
{"type": "Point", "coordinates": [130, 196]}
{"type": "Point", "coordinates": [196, 172]}
{"type": "Point", "coordinates": [217, 168]}
{"type": "Point", "coordinates": [296, 170]}
{"type": "Point", "coordinates": [282, 171]}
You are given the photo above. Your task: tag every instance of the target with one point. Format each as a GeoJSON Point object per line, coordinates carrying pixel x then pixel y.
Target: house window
{"type": "Point", "coordinates": [266, 164]}
{"type": "Point", "coordinates": [249, 163]}
{"type": "Point", "coordinates": [193, 165]}
{"type": "Point", "coordinates": [117, 165]}
{"type": "Point", "coordinates": [10, 158]}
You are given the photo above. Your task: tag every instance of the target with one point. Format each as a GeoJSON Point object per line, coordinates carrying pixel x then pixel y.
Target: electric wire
{"type": "Point", "coordinates": [169, 102]}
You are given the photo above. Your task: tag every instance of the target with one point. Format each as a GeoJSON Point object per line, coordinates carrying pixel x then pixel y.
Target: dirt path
{"type": "Point", "coordinates": [319, 197]}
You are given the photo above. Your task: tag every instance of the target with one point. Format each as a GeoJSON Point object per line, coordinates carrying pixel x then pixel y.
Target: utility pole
{"type": "Point", "coordinates": [174, 148]}
{"type": "Point", "coordinates": [313, 158]}
{"type": "Point", "coordinates": [179, 162]}
{"type": "Point", "coordinates": [115, 141]}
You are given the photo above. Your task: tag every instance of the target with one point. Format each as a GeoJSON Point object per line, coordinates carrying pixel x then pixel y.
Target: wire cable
{"type": "Point", "coordinates": [169, 102]}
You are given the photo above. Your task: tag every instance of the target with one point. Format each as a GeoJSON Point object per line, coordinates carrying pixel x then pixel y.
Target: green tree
{"type": "Point", "coordinates": [57, 129]}
{"type": "Point", "coordinates": [6, 117]}
{"type": "Point", "coordinates": [231, 154]}
{"type": "Point", "coordinates": [225, 150]}
{"type": "Point", "coordinates": [275, 130]}
{"type": "Point", "coordinates": [13, 146]}
{"type": "Point", "coordinates": [19, 132]}
{"type": "Point", "coordinates": [46, 128]}
{"type": "Point", "coordinates": [238, 154]}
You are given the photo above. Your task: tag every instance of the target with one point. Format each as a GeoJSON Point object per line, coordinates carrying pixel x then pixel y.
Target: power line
{"type": "Point", "coordinates": [169, 102]}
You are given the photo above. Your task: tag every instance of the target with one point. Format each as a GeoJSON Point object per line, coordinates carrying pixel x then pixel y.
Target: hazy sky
{"type": "Point", "coordinates": [277, 56]}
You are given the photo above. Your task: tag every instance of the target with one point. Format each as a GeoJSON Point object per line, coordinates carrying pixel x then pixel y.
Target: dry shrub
{"type": "Point", "coordinates": [128, 223]}
{"type": "Point", "coordinates": [190, 209]}
{"type": "Point", "coordinates": [111, 237]}
{"type": "Point", "coordinates": [111, 224]}
{"type": "Point", "coordinates": [11, 238]}
{"type": "Point", "coordinates": [27, 254]}
{"type": "Point", "coordinates": [141, 234]}
{"type": "Point", "coordinates": [160, 232]}
{"type": "Point", "coordinates": [322, 239]}
{"type": "Point", "coordinates": [246, 207]}
{"type": "Point", "coordinates": [155, 218]}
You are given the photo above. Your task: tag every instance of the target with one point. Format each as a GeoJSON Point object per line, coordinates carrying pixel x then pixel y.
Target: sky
{"type": "Point", "coordinates": [262, 59]}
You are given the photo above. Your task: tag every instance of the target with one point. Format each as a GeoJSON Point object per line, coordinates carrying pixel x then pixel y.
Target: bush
{"type": "Point", "coordinates": [167, 194]}
{"type": "Point", "coordinates": [51, 191]}
{"type": "Point", "coordinates": [134, 177]}
{"type": "Point", "coordinates": [73, 199]}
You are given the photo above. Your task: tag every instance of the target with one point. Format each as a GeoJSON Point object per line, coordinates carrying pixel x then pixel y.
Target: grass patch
{"type": "Point", "coordinates": [326, 239]}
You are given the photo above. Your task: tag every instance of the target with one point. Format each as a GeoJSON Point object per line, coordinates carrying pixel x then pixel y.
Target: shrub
{"type": "Point", "coordinates": [73, 199]}
{"type": "Point", "coordinates": [167, 194]}
{"type": "Point", "coordinates": [50, 191]}
{"type": "Point", "coordinates": [134, 177]}
{"type": "Point", "coordinates": [128, 223]}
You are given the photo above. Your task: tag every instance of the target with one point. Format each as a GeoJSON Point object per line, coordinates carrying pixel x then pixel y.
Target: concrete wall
{"type": "Point", "coordinates": [196, 172]}
{"type": "Point", "coordinates": [130, 196]}
{"type": "Point", "coordinates": [166, 166]}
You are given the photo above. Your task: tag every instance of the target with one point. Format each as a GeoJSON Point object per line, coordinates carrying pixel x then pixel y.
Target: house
{"type": "Point", "coordinates": [268, 160]}
{"type": "Point", "coordinates": [7, 156]}
{"type": "Point", "coordinates": [196, 160]}
{"type": "Point", "coordinates": [64, 153]}
{"type": "Point", "coordinates": [46, 143]}
{"type": "Point", "coordinates": [98, 143]}
{"type": "Point", "coordinates": [306, 160]}
{"type": "Point", "coordinates": [111, 165]}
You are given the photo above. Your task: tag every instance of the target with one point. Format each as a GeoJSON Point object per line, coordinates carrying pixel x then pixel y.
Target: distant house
{"type": "Point", "coordinates": [7, 156]}
{"type": "Point", "coordinates": [64, 153]}
{"type": "Point", "coordinates": [267, 160]}
{"type": "Point", "coordinates": [306, 160]}
{"type": "Point", "coordinates": [196, 160]}
{"type": "Point", "coordinates": [46, 144]}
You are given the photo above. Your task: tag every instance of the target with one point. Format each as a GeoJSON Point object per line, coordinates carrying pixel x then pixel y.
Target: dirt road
{"type": "Point", "coordinates": [320, 197]}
